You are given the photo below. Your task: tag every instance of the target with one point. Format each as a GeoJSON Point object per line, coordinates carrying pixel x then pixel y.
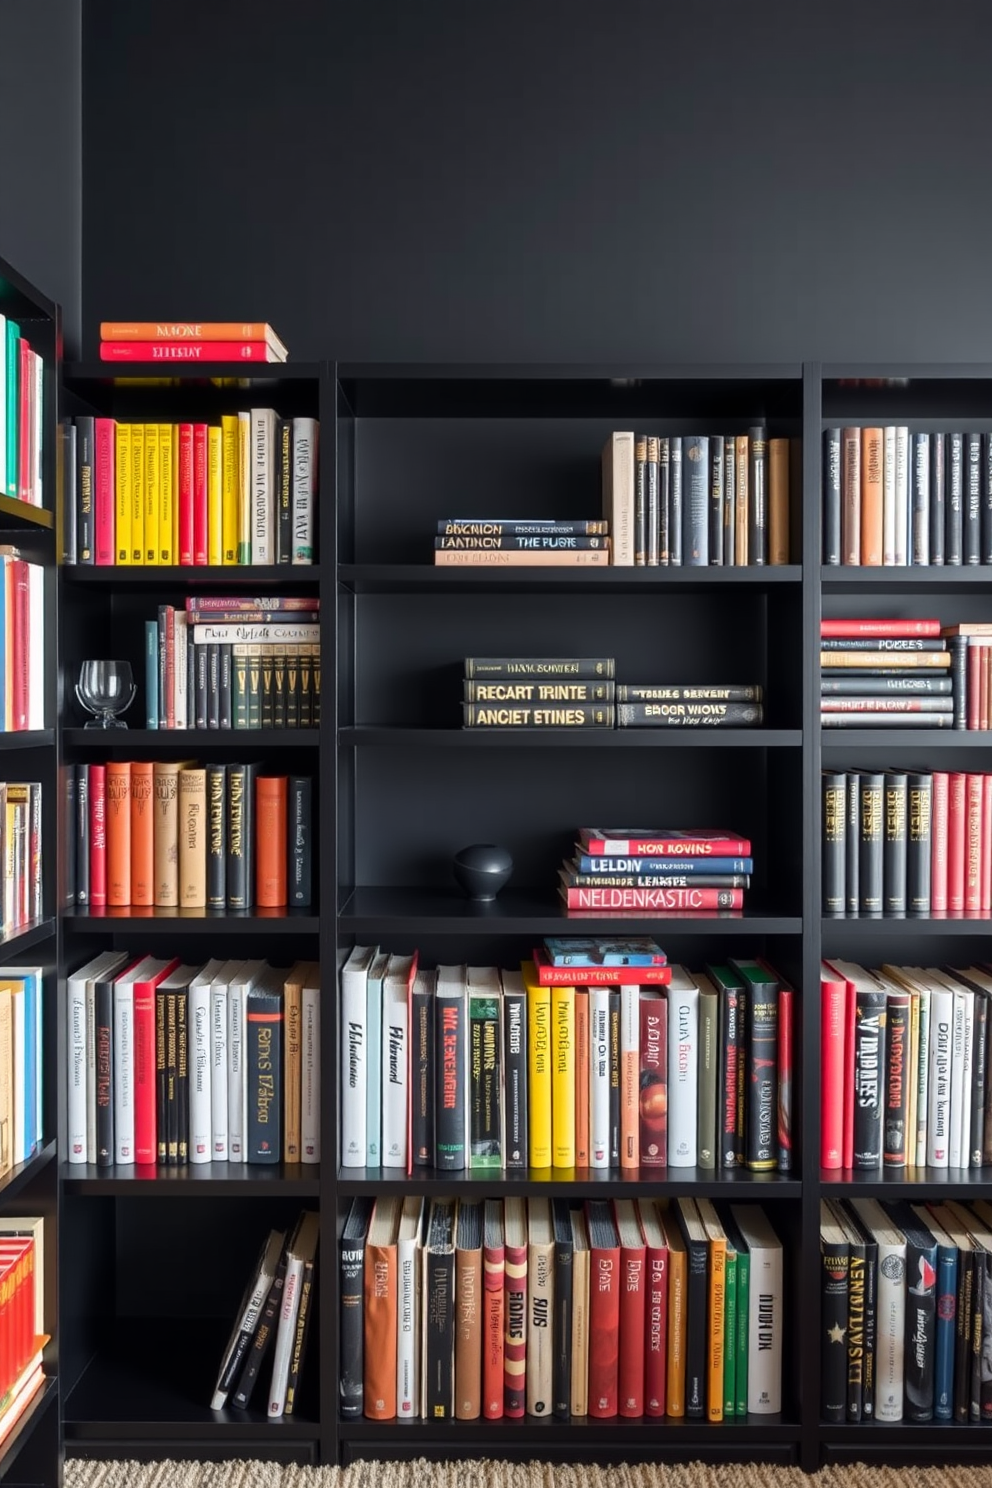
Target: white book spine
{"type": "Point", "coordinates": [200, 1073]}
{"type": "Point", "coordinates": [765, 1327]}
{"type": "Point", "coordinates": [955, 1148]}
{"type": "Point", "coordinates": [237, 1101]}
{"type": "Point", "coordinates": [218, 1073]}
{"type": "Point", "coordinates": [179, 687]}
{"type": "Point", "coordinates": [540, 1337]}
{"type": "Point", "coordinates": [285, 1333]}
{"type": "Point", "coordinates": [407, 1330]}
{"type": "Point", "coordinates": [618, 495]}
{"type": "Point", "coordinates": [939, 1094]}
{"type": "Point", "coordinates": [966, 1077]}
{"type": "Point", "coordinates": [920, 501]}
{"type": "Point", "coordinates": [903, 552]}
{"type": "Point", "coordinates": [683, 1059]}
{"type": "Point", "coordinates": [90, 1070]}
{"type": "Point", "coordinates": [123, 1072]}
{"type": "Point", "coordinates": [889, 495]}
{"type": "Point", "coordinates": [373, 1072]}
{"type": "Point", "coordinates": [262, 504]}
{"type": "Point", "coordinates": [76, 1050]}
{"type": "Point", "coordinates": [37, 428]}
{"type": "Point", "coordinates": [599, 1077]}
{"type": "Point", "coordinates": [305, 436]}
{"type": "Point", "coordinates": [310, 1060]}
{"type": "Point", "coordinates": [354, 1072]}
{"type": "Point", "coordinates": [244, 487]}
{"type": "Point", "coordinates": [36, 646]}
{"type": "Point", "coordinates": [890, 1330]}
{"type": "Point", "coordinates": [923, 1078]}
{"type": "Point", "coordinates": [395, 1075]}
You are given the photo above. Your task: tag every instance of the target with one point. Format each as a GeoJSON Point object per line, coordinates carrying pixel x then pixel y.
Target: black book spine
{"type": "Point", "coordinates": [652, 500]}
{"type": "Point", "coordinates": [251, 775]}
{"type": "Point", "coordinates": [161, 1076]}
{"type": "Point", "coordinates": [664, 501]}
{"type": "Point", "coordinates": [835, 1263]}
{"type": "Point", "coordinates": [716, 498]}
{"type": "Point", "coordinates": [895, 1137]}
{"type": "Point", "coordinates": [871, 845]}
{"type": "Point", "coordinates": [919, 498]}
{"type": "Point", "coordinates": [640, 501]}
{"type": "Point", "coordinates": [979, 1066]}
{"type": "Point", "coordinates": [938, 517]}
{"type": "Point", "coordinates": [901, 686]}
{"type": "Point", "coordinates": [729, 500]}
{"type": "Point", "coordinates": [104, 1034]}
{"type": "Point", "coordinates": [856, 1331]}
{"type": "Point", "coordinates": [85, 516]}
{"type": "Point", "coordinates": [265, 1332]}
{"type": "Point", "coordinates": [853, 855]}
{"type": "Point", "coordinates": [351, 1325]}
{"type": "Point", "coordinates": [267, 687]}
{"type": "Point", "coordinates": [727, 1076]}
{"type": "Point", "coordinates": [191, 680]}
{"type": "Point", "coordinates": [973, 502]}
{"type": "Point", "coordinates": [66, 496]}
{"type": "Point", "coordinates": [757, 506]}
{"type": "Point", "coordinates": [450, 1090]}
{"type": "Point", "coordinates": [439, 1331]}
{"type": "Point", "coordinates": [279, 687]}
{"type": "Point", "coordinates": [162, 669]}
{"type": "Point", "coordinates": [919, 805]}
{"type": "Point", "coordinates": [894, 844]}
{"type": "Point", "coordinates": [182, 1077]}
{"type": "Point", "coordinates": [82, 835]}
{"type": "Point", "coordinates": [979, 1307]}
{"type": "Point", "coordinates": [515, 1079]}
{"type": "Point", "coordinates": [921, 1314]}
{"type": "Point", "coordinates": [695, 1356]}
{"type": "Point", "coordinates": [675, 501]}
{"type": "Point", "coordinates": [71, 828]}
{"type": "Point", "coordinates": [695, 500]}
{"type": "Point", "coordinates": [962, 1335]}
{"type": "Point", "coordinates": [869, 1053]}
{"type": "Point", "coordinates": [614, 1004]}
{"type": "Point", "coordinates": [870, 1327]}
{"type": "Point", "coordinates": [300, 846]}
{"type": "Point", "coordinates": [986, 457]}
{"type": "Point", "coordinates": [263, 1075]}
{"type": "Point", "coordinates": [561, 1365]}
{"type": "Point", "coordinates": [958, 648]}
{"type": "Point", "coordinates": [284, 490]}
{"type": "Point", "coordinates": [200, 697]}
{"type": "Point", "coordinates": [954, 503]}
{"type": "Point", "coordinates": [834, 787]}
{"type": "Point", "coordinates": [237, 864]}
{"type": "Point", "coordinates": [422, 1074]}
{"type": "Point", "coordinates": [303, 1316]}
{"type": "Point", "coordinates": [225, 713]}
{"type": "Point", "coordinates": [213, 685]}
{"type": "Point", "coordinates": [831, 501]}
{"type": "Point", "coordinates": [216, 836]}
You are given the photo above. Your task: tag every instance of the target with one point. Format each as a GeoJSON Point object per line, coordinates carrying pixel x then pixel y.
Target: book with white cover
{"type": "Point", "coordinates": [310, 1067]}
{"type": "Point", "coordinates": [305, 455]}
{"type": "Point", "coordinates": [219, 1018]}
{"type": "Point", "coordinates": [200, 1062]}
{"type": "Point", "coordinates": [395, 1056]}
{"type": "Point", "coordinates": [263, 484]}
{"type": "Point", "coordinates": [79, 1083]}
{"type": "Point", "coordinates": [409, 1248]}
{"type": "Point", "coordinates": [373, 1090]}
{"type": "Point", "coordinates": [301, 1248]}
{"type": "Point", "coordinates": [683, 1068]}
{"type": "Point", "coordinates": [765, 1309]}
{"type": "Point", "coordinates": [890, 1308]}
{"type": "Point", "coordinates": [237, 1049]}
{"type": "Point", "coordinates": [354, 1055]}
{"type": "Point", "coordinates": [939, 1092]}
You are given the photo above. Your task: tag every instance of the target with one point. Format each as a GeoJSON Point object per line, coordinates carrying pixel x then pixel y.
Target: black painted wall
{"type": "Point", "coordinates": [41, 150]}
{"type": "Point", "coordinates": [546, 179]}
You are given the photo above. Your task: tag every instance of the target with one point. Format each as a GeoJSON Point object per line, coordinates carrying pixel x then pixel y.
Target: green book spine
{"type": "Point", "coordinates": [13, 430]}
{"type": "Point", "coordinates": [730, 1338]}
{"type": "Point", "coordinates": [743, 1299]}
{"type": "Point", "coordinates": [485, 1148]}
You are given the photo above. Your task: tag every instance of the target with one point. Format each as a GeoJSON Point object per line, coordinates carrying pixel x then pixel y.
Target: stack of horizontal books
{"type": "Point", "coordinates": [190, 341]}
{"type": "Point", "coordinates": [651, 705]}
{"type": "Point", "coordinates": [508, 542]}
{"type": "Point", "coordinates": [881, 673]}
{"type": "Point", "coordinates": [650, 871]}
{"type": "Point", "coordinates": [536, 692]}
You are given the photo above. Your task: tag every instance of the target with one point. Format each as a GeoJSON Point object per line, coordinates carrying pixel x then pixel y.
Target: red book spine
{"type": "Point", "coordinates": [185, 494]}
{"type": "Point", "coordinates": [104, 490]}
{"type": "Point", "coordinates": [957, 839]}
{"type": "Point", "coordinates": [185, 351]}
{"type": "Point", "coordinates": [983, 685]}
{"type": "Point", "coordinates": [656, 1331]}
{"type": "Point", "coordinates": [677, 899]}
{"type": "Point", "coordinates": [973, 845]}
{"type": "Point", "coordinates": [841, 628]}
{"type": "Point", "coordinates": [833, 1018]}
{"type": "Point", "coordinates": [98, 835]}
{"type": "Point", "coordinates": [19, 682]}
{"type": "Point", "coordinates": [702, 844]}
{"type": "Point", "coordinates": [493, 1324]}
{"type": "Point", "coordinates": [729, 1043]}
{"type": "Point", "coordinates": [145, 1079]}
{"type": "Point", "coordinates": [849, 1046]}
{"type": "Point", "coordinates": [653, 1083]}
{"type": "Point", "coordinates": [170, 666]}
{"type": "Point", "coordinates": [599, 976]}
{"type": "Point", "coordinates": [633, 1305]}
{"type": "Point", "coordinates": [785, 1001]}
{"type": "Point", "coordinates": [973, 690]}
{"type": "Point", "coordinates": [515, 1337]}
{"type": "Point", "coordinates": [938, 843]}
{"type": "Point", "coordinates": [604, 1330]}
{"type": "Point", "coordinates": [985, 902]}
{"type": "Point", "coordinates": [25, 385]}
{"type": "Point", "coordinates": [200, 493]}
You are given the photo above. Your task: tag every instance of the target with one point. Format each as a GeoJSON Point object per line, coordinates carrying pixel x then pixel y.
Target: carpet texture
{"type": "Point", "coordinates": [79, 1474]}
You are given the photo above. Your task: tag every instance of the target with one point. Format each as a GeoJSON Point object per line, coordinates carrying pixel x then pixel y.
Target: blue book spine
{"type": "Point", "coordinates": [943, 1374]}
{"type": "Point", "coordinates": [151, 674]}
{"type": "Point", "coordinates": [639, 866]}
{"type": "Point", "coordinates": [31, 1051]}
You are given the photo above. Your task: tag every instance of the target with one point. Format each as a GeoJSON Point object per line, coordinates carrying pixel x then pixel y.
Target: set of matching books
{"type": "Point", "coordinates": [274, 1314]}
{"type": "Point", "coordinates": [22, 641]}
{"type": "Point", "coordinates": [916, 843]}
{"type": "Point", "coordinates": [892, 496]}
{"type": "Point", "coordinates": [650, 871]}
{"type": "Point", "coordinates": [461, 1309]}
{"type": "Point", "coordinates": [21, 1064]}
{"type": "Point", "coordinates": [241, 492]}
{"type": "Point", "coordinates": [20, 854]}
{"type": "Point", "coordinates": [228, 662]}
{"type": "Point", "coordinates": [170, 1064]}
{"type": "Point", "coordinates": [169, 834]}
{"type": "Point", "coordinates": [22, 416]}
{"type": "Point", "coordinates": [903, 1067]}
{"type": "Point", "coordinates": [190, 341]}
{"type": "Point", "coordinates": [905, 1297]}
{"type": "Point", "coordinates": [882, 673]}
{"type": "Point", "coordinates": [539, 692]}
{"type": "Point", "coordinates": [697, 499]}
{"type": "Point", "coordinates": [577, 1065]}
{"type": "Point", "coordinates": [22, 1315]}
{"type": "Point", "coordinates": [520, 542]}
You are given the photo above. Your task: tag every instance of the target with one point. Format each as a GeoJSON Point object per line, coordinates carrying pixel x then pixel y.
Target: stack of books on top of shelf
{"type": "Point", "coordinates": [22, 1323]}
{"type": "Point", "coordinates": [467, 1309]}
{"type": "Point", "coordinates": [656, 705]}
{"type": "Point", "coordinates": [227, 662]}
{"type": "Point", "coordinates": [190, 341]}
{"type": "Point", "coordinates": [904, 1069]}
{"type": "Point", "coordinates": [274, 1315]}
{"type": "Point", "coordinates": [538, 692]}
{"type": "Point", "coordinates": [510, 542]}
{"type": "Point", "coordinates": [644, 871]}
{"type": "Point", "coordinates": [22, 422]}
{"type": "Point", "coordinates": [882, 673]}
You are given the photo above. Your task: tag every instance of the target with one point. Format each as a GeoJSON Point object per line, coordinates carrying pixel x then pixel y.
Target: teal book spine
{"type": "Point", "coordinates": [13, 423]}
{"type": "Point", "coordinates": [151, 674]}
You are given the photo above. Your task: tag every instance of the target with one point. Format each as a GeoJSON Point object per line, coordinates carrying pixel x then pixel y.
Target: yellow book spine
{"type": "Point", "coordinates": [563, 1077]}
{"type": "Point", "coordinates": [175, 493]}
{"type": "Point", "coordinates": [122, 493]}
{"type": "Point", "coordinates": [153, 447]}
{"type": "Point", "coordinates": [166, 490]}
{"type": "Point", "coordinates": [229, 488]}
{"type": "Point", "coordinates": [244, 488]}
{"type": "Point", "coordinates": [677, 1322]}
{"type": "Point", "coordinates": [538, 1067]}
{"type": "Point", "coordinates": [911, 1066]}
{"type": "Point", "coordinates": [717, 1320]}
{"type": "Point", "coordinates": [137, 493]}
{"type": "Point", "coordinates": [215, 509]}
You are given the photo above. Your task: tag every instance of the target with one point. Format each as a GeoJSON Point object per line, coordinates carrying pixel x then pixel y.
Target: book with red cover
{"type": "Point", "coordinates": [97, 776]}
{"type": "Point", "coordinates": [597, 976]}
{"type": "Point", "coordinates": [633, 1304]}
{"type": "Point", "coordinates": [653, 1082]}
{"type": "Point", "coordinates": [957, 839]}
{"type": "Point", "coordinates": [118, 807]}
{"type": "Point", "coordinates": [104, 489]}
{"type": "Point", "coordinates": [187, 351]}
{"type": "Point", "coordinates": [973, 843]}
{"type": "Point", "coordinates": [604, 1309]}
{"type": "Point", "coordinates": [876, 627]}
{"type": "Point", "coordinates": [145, 1077]}
{"type": "Point", "coordinates": [515, 1307]}
{"type": "Point", "coordinates": [833, 1032]}
{"type": "Point", "coordinates": [493, 1320]}
{"type": "Point", "coordinates": [985, 899]}
{"type": "Point", "coordinates": [647, 899]}
{"type": "Point", "coordinates": [271, 795]}
{"type": "Point", "coordinates": [19, 681]}
{"type": "Point", "coordinates": [656, 1308]}
{"type": "Point", "coordinates": [183, 496]}
{"type": "Point", "coordinates": [200, 439]}
{"type": "Point", "coordinates": [663, 842]}
{"type": "Point", "coordinates": [939, 810]}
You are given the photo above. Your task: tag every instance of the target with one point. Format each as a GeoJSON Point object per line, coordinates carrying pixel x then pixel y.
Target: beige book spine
{"type": "Point", "coordinates": [192, 839]}
{"type": "Point", "coordinates": [618, 496]}
{"type": "Point", "coordinates": [540, 1333]}
{"type": "Point", "coordinates": [580, 1332]}
{"type": "Point", "coordinates": [166, 835]}
{"type": "Point", "coordinates": [292, 1060]}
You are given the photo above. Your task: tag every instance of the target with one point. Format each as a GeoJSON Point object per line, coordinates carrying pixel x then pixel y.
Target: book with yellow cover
{"type": "Point", "coordinates": [716, 1311]}
{"type": "Point", "coordinates": [677, 1319]}
{"type": "Point", "coordinates": [563, 1077]}
{"type": "Point", "coordinates": [229, 488]}
{"type": "Point", "coordinates": [137, 493]}
{"type": "Point", "coordinates": [122, 505]}
{"type": "Point", "coordinates": [215, 507]}
{"type": "Point", "coordinates": [166, 492]}
{"type": "Point", "coordinates": [152, 493]}
{"type": "Point", "coordinates": [538, 1066]}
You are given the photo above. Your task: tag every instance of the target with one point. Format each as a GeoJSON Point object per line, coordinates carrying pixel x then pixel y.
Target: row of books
{"type": "Point", "coordinates": [469, 1308]}
{"type": "Point", "coordinates": [698, 499]}
{"type": "Point", "coordinates": [904, 1067]}
{"type": "Point", "coordinates": [22, 1309]}
{"type": "Point", "coordinates": [472, 1068]}
{"type": "Point", "coordinates": [168, 834]}
{"type": "Point", "coordinates": [905, 1296]}
{"type": "Point", "coordinates": [244, 491]}
{"type": "Point", "coordinates": [690, 870]}
{"type": "Point", "coordinates": [231, 668]}
{"type": "Point", "coordinates": [274, 1315]}
{"type": "Point", "coordinates": [170, 1064]}
{"type": "Point", "coordinates": [22, 416]}
{"type": "Point", "coordinates": [22, 1089]}
{"type": "Point", "coordinates": [907, 843]}
{"type": "Point", "coordinates": [882, 673]}
{"type": "Point", "coordinates": [22, 641]}
{"type": "Point", "coordinates": [190, 341]}
{"type": "Point", "coordinates": [894, 496]}
{"type": "Point", "coordinates": [20, 854]}
{"type": "Point", "coordinates": [518, 542]}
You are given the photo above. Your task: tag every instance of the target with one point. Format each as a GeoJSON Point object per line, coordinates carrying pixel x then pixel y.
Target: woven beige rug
{"type": "Point", "coordinates": [79, 1474]}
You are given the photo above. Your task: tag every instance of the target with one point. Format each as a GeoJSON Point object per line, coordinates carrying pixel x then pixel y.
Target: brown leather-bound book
{"type": "Point", "coordinates": [741, 503]}
{"type": "Point", "coordinates": [142, 833]}
{"type": "Point", "coordinates": [192, 839]}
{"type": "Point", "coordinates": [118, 832]}
{"type": "Point", "coordinates": [292, 1062]}
{"type": "Point", "coordinates": [468, 1311]}
{"type": "Point", "coordinates": [380, 1310]}
{"type": "Point", "coordinates": [872, 480]}
{"type": "Point", "coordinates": [778, 501]}
{"type": "Point", "coordinates": [165, 831]}
{"type": "Point", "coordinates": [850, 496]}
{"type": "Point", "coordinates": [271, 792]}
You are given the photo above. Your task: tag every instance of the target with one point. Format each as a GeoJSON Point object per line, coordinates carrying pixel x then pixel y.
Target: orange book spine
{"type": "Point", "coordinates": [118, 833]}
{"type": "Point", "coordinates": [581, 1077]}
{"type": "Point", "coordinates": [677, 1322]}
{"type": "Point", "coordinates": [185, 330]}
{"type": "Point", "coordinates": [778, 501]}
{"type": "Point", "coordinates": [872, 466]}
{"type": "Point", "coordinates": [270, 836]}
{"type": "Point", "coordinates": [468, 1335]}
{"type": "Point", "coordinates": [142, 833]}
{"type": "Point", "coordinates": [380, 1332]}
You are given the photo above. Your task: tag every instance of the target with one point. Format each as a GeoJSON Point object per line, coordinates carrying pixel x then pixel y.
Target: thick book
{"type": "Point", "coordinates": [468, 1310]}
{"type": "Point", "coordinates": [835, 1263]}
{"type": "Point", "coordinates": [351, 1293]}
{"type": "Point", "coordinates": [604, 1309]}
{"type": "Point", "coordinates": [561, 1363]}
